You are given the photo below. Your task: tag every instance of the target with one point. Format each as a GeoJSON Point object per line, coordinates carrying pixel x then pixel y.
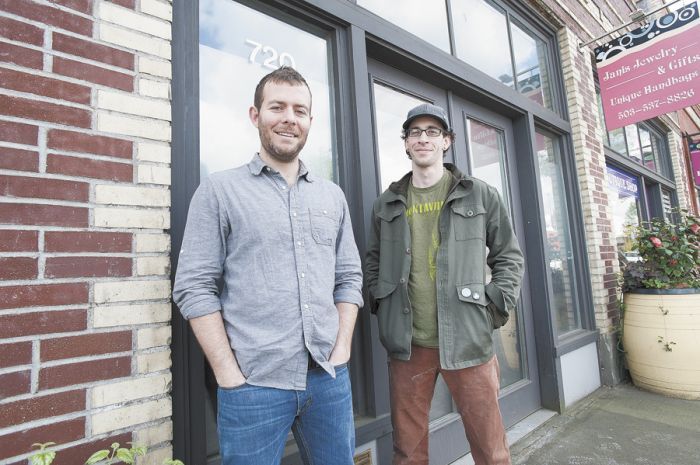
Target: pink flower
{"type": "Point", "coordinates": [656, 241]}
{"type": "Point", "coordinates": [695, 228]}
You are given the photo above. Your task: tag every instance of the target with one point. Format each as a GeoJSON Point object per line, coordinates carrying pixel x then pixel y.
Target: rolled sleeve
{"type": "Point", "coordinates": [200, 263]}
{"type": "Point", "coordinates": [348, 268]}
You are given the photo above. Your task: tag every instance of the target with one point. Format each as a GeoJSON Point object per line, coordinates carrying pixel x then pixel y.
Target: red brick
{"type": "Point", "coordinates": [18, 241]}
{"type": "Point", "coordinates": [14, 354]}
{"type": "Point", "coordinates": [19, 160]}
{"type": "Point", "coordinates": [126, 3]}
{"type": "Point", "coordinates": [39, 295]}
{"type": "Point", "coordinates": [47, 87]}
{"type": "Point", "coordinates": [14, 384]}
{"type": "Point", "coordinates": [22, 56]}
{"type": "Point", "coordinates": [43, 215]}
{"type": "Point", "coordinates": [58, 189]}
{"type": "Point", "coordinates": [23, 411]}
{"type": "Point", "coordinates": [48, 15]}
{"type": "Point", "coordinates": [87, 267]}
{"type": "Point", "coordinates": [85, 167]}
{"type": "Point", "coordinates": [76, 241]}
{"type": "Point", "coordinates": [21, 442]}
{"type": "Point", "coordinates": [87, 143]}
{"type": "Point", "coordinates": [84, 372]}
{"type": "Point", "coordinates": [86, 344]}
{"type": "Point", "coordinates": [12, 268]}
{"type": "Point", "coordinates": [17, 132]}
{"type": "Point", "coordinates": [94, 74]}
{"type": "Point", "coordinates": [84, 6]}
{"type": "Point", "coordinates": [44, 111]}
{"type": "Point", "coordinates": [21, 32]}
{"type": "Point", "coordinates": [92, 51]}
{"type": "Point", "coordinates": [29, 324]}
{"type": "Point", "coordinates": [78, 454]}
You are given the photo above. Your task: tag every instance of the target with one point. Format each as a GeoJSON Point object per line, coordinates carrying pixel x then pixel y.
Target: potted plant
{"type": "Point", "coordinates": [661, 294]}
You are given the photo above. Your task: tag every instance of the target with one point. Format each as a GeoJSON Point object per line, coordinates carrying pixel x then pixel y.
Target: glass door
{"type": "Point", "coordinates": [490, 147]}
{"type": "Point", "coordinates": [483, 148]}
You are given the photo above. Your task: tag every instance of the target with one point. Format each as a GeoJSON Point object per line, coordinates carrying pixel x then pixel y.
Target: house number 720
{"type": "Point", "coordinates": [271, 59]}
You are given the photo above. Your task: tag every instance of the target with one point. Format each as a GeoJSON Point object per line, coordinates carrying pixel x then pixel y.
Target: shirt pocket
{"type": "Point", "coordinates": [469, 221]}
{"type": "Point", "coordinates": [324, 226]}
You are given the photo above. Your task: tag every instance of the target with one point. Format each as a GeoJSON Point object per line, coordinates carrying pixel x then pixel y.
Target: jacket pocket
{"type": "Point", "coordinates": [469, 221]}
{"type": "Point", "coordinates": [393, 318]}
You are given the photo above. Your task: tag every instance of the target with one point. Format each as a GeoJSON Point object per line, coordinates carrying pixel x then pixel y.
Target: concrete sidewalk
{"type": "Point", "coordinates": [622, 425]}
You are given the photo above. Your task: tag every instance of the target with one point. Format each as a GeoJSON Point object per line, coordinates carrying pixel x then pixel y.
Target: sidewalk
{"type": "Point", "coordinates": [617, 426]}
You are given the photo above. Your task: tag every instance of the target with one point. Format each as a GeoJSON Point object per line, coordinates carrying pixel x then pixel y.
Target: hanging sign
{"type": "Point", "coordinates": [695, 161]}
{"type": "Point", "coordinates": [652, 70]}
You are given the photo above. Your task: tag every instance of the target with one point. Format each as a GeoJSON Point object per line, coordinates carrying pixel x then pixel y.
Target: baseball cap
{"type": "Point", "coordinates": [427, 109]}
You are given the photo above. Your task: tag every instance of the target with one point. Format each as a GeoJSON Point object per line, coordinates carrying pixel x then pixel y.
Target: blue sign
{"type": "Point", "coordinates": [622, 183]}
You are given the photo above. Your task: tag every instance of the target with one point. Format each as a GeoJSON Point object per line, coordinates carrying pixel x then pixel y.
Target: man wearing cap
{"type": "Point", "coordinates": [434, 233]}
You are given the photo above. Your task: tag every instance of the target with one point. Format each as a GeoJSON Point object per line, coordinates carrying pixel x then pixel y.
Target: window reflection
{"type": "Point", "coordinates": [479, 22]}
{"type": "Point", "coordinates": [237, 47]}
{"type": "Point", "coordinates": [559, 252]}
{"type": "Point", "coordinates": [483, 23]}
{"type": "Point", "coordinates": [634, 150]}
{"type": "Point", "coordinates": [487, 155]}
{"type": "Point", "coordinates": [530, 66]}
{"type": "Point", "coordinates": [427, 20]}
{"type": "Point", "coordinates": [390, 109]}
{"type": "Point", "coordinates": [623, 196]}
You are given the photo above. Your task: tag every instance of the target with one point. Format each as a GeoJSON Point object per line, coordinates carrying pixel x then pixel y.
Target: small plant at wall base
{"type": "Point", "coordinates": [669, 252]}
{"type": "Point", "coordinates": [662, 304]}
{"type": "Point", "coordinates": [115, 454]}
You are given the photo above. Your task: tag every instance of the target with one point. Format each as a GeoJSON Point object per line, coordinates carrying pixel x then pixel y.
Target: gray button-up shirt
{"type": "Point", "coordinates": [286, 255]}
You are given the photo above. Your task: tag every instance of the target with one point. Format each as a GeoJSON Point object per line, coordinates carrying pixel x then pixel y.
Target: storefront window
{"type": "Point", "coordinates": [530, 66]}
{"type": "Point", "coordinates": [521, 65]}
{"type": "Point", "coordinates": [559, 251]}
{"type": "Point", "coordinates": [426, 20]}
{"type": "Point", "coordinates": [640, 142]}
{"type": "Point", "coordinates": [237, 47]}
{"type": "Point", "coordinates": [623, 198]}
{"type": "Point", "coordinates": [479, 22]}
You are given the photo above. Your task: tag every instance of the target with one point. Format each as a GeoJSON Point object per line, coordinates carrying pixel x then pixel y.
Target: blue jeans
{"type": "Point", "coordinates": [254, 421]}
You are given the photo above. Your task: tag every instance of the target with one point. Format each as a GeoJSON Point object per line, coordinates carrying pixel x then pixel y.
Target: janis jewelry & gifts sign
{"type": "Point", "coordinates": [652, 70]}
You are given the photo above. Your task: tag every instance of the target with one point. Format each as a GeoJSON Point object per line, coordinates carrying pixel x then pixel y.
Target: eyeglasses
{"type": "Point", "coordinates": [431, 132]}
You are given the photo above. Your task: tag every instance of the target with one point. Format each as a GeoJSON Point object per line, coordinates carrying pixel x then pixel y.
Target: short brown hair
{"type": "Point", "coordinates": [284, 74]}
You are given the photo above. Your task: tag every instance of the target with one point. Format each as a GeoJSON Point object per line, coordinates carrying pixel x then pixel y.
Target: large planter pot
{"type": "Point", "coordinates": [661, 336]}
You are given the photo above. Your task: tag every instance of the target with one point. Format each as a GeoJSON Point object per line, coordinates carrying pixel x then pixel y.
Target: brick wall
{"type": "Point", "coordinates": [84, 214]}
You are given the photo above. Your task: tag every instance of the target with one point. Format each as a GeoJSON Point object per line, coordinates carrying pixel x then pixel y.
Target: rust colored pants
{"type": "Point", "coordinates": [475, 392]}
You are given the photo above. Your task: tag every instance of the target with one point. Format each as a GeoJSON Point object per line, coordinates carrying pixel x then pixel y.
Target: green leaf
{"type": "Point", "coordinates": [125, 455]}
{"type": "Point", "coordinates": [172, 462]}
{"type": "Point", "coordinates": [45, 457]}
{"type": "Point", "coordinates": [97, 457]}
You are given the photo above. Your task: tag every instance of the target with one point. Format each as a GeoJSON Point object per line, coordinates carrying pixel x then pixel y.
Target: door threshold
{"type": "Point", "coordinates": [517, 432]}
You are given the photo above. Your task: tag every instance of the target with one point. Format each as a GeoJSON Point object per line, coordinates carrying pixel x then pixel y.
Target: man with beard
{"type": "Point", "coordinates": [277, 333]}
{"type": "Point", "coordinates": [425, 268]}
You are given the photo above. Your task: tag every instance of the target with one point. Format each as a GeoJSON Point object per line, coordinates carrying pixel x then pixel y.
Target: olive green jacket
{"type": "Point", "coordinates": [473, 218]}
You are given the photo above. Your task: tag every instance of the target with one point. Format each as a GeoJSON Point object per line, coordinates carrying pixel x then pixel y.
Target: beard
{"type": "Point", "coordinates": [284, 154]}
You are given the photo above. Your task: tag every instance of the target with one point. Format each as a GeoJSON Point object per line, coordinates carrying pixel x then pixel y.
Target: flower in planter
{"type": "Point", "coordinates": [669, 252]}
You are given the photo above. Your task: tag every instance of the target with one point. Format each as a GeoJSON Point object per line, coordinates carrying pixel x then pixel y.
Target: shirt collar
{"type": "Point", "coordinates": [257, 165]}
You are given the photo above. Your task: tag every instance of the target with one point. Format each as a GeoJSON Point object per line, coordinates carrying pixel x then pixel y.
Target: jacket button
{"type": "Point", "coordinates": [476, 295]}
{"type": "Point", "coordinates": [402, 280]}
{"type": "Point", "coordinates": [466, 292]}
{"type": "Point", "coordinates": [470, 213]}
{"type": "Point", "coordinates": [406, 310]}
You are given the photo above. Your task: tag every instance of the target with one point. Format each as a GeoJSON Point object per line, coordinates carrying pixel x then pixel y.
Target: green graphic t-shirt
{"type": "Point", "coordinates": [423, 213]}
